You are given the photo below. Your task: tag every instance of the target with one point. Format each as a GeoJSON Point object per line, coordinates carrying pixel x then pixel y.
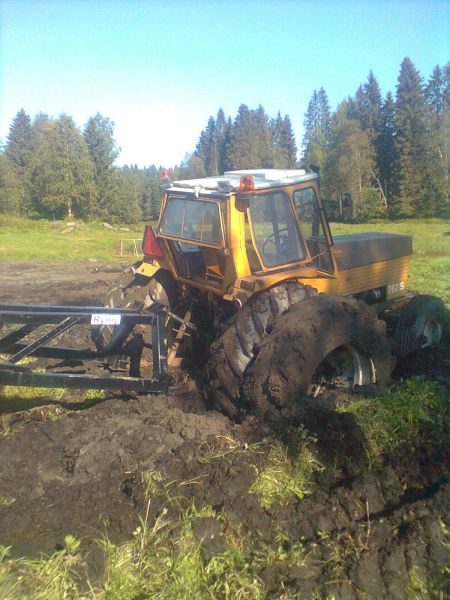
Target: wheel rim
{"type": "Point", "coordinates": [345, 367]}
{"type": "Point", "coordinates": [432, 333]}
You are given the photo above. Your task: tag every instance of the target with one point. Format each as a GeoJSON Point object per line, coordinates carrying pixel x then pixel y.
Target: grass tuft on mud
{"type": "Point", "coordinates": [165, 559]}
{"type": "Point", "coordinates": [284, 477]}
{"type": "Point", "coordinates": [414, 412]}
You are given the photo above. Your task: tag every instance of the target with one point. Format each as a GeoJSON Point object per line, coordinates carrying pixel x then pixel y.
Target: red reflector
{"type": "Point", "coordinates": [247, 184]}
{"type": "Point", "coordinates": [150, 244]}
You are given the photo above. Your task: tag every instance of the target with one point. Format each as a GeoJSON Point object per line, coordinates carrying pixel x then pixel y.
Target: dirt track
{"type": "Point", "coordinates": [366, 530]}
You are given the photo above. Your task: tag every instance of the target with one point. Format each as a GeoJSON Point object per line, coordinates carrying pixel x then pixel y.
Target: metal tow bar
{"type": "Point", "coordinates": [31, 317]}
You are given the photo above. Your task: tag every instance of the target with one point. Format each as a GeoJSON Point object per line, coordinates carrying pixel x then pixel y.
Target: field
{"type": "Point", "coordinates": [162, 497]}
{"type": "Point", "coordinates": [22, 240]}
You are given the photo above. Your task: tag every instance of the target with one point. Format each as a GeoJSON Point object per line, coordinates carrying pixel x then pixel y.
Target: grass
{"type": "Point", "coordinates": [23, 240]}
{"type": "Point", "coordinates": [414, 412]}
{"type": "Point", "coordinates": [17, 399]}
{"type": "Point", "coordinates": [164, 560]}
{"type": "Point", "coordinates": [44, 403]}
{"type": "Point", "coordinates": [285, 477]}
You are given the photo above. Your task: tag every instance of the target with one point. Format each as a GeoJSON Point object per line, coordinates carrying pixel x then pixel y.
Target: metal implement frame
{"type": "Point", "coordinates": [31, 317]}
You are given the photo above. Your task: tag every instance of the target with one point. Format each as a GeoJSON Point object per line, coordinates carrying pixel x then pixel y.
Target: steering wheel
{"type": "Point", "coordinates": [271, 239]}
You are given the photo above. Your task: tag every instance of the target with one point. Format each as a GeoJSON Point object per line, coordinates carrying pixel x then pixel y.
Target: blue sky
{"type": "Point", "coordinates": [159, 69]}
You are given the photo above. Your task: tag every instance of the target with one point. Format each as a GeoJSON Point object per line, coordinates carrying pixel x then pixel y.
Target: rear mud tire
{"type": "Point", "coordinates": [301, 341]}
{"type": "Point", "coordinates": [137, 291]}
{"type": "Point", "coordinates": [423, 323]}
{"type": "Point", "coordinates": [231, 354]}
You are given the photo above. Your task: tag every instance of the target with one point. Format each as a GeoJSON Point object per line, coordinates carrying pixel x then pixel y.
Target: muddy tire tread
{"type": "Point", "coordinates": [231, 354]}
{"type": "Point", "coordinates": [422, 306]}
{"type": "Point", "coordinates": [288, 357]}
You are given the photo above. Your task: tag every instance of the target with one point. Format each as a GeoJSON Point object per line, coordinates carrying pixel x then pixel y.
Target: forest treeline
{"type": "Point", "coordinates": [391, 154]}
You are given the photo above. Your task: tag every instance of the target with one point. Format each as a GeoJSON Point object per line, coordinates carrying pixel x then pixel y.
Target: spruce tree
{"type": "Point", "coordinates": [61, 174]}
{"type": "Point", "coordinates": [317, 130]}
{"type": "Point", "coordinates": [350, 164]}
{"type": "Point", "coordinates": [411, 142]}
{"type": "Point", "coordinates": [368, 102]}
{"type": "Point", "coordinates": [206, 150]}
{"type": "Point", "coordinates": [283, 140]}
{"type": "Point", "coordinates": [249, 141]}
{"type": "Point", "coordinates": [99, 137]}
{"type": "Point", "coordinates": [10, 187]}
{"type": "Point", "coordinates": [386, 148]}
{"type": "Point", "coordinates": [324, 113]}
{"type": "Point", "coordinates": [19, 141]}
{"type": "Point", "coordinates": [438, 97]}
{"type": "Point", "coordinates": [220, 132]}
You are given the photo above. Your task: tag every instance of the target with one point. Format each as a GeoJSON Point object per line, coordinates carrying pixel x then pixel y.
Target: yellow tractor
{"type": "Point", "coordinates": [259, 291]}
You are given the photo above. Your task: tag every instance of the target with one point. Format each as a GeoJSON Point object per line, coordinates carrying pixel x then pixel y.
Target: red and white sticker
{"type": "Point", "coordinates": [105, 319]}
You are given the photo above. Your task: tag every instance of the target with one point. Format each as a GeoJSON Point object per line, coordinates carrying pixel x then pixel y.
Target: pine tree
{"type": "Point", "coordinates": [350, 165]}
{"type": "Point", "coordinates": [368, 104]}
{"type": "Point", "coordinates": [386, 148]}
{"type": "Point", "coordinates": [284, 146]}
{"type": "Point", "coordinates": [99, 136]}
{"type": "Point", "coordinates": [438, 97]}
{"type": "Point", "coordinates": [61, 174]}
{"type": "Point", "coordinates": [317, 130]}
{"type": "Point", "coordinates": [19, 141]}
{"type": "Point", "coordinates": [411, 142]}
{"type": "Point", "coordinates": [10, 187]}
{"type": "Point", "coordinates": [249, 142]}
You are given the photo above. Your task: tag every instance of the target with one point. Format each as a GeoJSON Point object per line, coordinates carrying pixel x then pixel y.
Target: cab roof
{"type": "Point", "coordinates": [229, 181]}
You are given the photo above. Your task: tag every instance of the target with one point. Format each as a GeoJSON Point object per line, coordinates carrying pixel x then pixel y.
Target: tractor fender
{"type": "Point", "coordinates": [148, 269]}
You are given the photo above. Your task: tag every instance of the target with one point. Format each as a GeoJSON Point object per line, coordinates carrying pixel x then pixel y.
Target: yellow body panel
{"type": "Point", "coordinates": [375, 275]}
{"type": "Point", "coordinates": [148, 269]}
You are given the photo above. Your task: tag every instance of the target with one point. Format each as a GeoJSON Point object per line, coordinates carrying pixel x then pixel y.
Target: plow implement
{"type": "Point", "coordinates": [36, 326]}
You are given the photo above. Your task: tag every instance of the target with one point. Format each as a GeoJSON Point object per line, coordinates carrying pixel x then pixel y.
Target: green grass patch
{"type": "Point", "coordinates": [285, 477]}
{"type": "Point", "coordinates": [23, 240]}
{"type": "Point", "coordinates": [414, 412]}
{"type": "Point", "coordinates": [23, 398]}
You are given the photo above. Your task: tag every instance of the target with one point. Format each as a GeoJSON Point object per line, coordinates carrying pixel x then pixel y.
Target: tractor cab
{"type": "Point", "coordinates": [216, 231]}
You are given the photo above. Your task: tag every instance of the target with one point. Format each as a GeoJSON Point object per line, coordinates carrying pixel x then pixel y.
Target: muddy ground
{"type": "Point", "coordinates": [365, 530]}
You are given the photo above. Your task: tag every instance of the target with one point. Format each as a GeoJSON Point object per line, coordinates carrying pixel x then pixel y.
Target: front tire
{"type": "Point", "coordinates": [423, 323]}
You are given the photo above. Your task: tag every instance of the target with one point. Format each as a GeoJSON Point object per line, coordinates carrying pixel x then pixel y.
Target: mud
{"type": "Point", "coordinates": [364, 530]}
{"type": "Point", "coordinates": [83, 283]}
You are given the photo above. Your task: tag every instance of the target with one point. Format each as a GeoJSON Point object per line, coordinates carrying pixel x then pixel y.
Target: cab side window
{"type": "Point", "coordinates": [305, 203]}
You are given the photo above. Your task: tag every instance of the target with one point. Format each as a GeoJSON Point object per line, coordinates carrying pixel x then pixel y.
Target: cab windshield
{"type": "Point", "coordinates": [193, 220]}
{"type": "Point", "coordinates": [274, 229]}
